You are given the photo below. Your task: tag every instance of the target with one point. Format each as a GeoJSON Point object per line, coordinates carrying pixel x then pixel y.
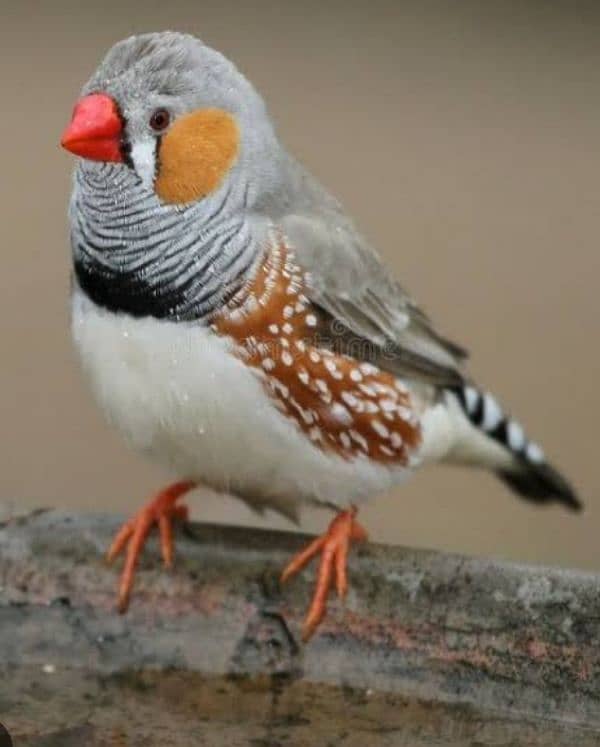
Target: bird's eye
{"type": "Point", "coordinates": [160, 120]}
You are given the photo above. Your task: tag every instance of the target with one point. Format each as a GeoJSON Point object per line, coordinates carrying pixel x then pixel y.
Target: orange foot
{"type": "Point", "coordinates": [162, 510]}
{"type": "Point", "coordinates": [333, 546]}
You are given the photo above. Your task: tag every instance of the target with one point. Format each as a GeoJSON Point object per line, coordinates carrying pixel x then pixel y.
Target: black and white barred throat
{"type": "Point", "coordinates": [136, 255]}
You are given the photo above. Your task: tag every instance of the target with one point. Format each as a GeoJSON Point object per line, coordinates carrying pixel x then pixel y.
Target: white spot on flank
{"type": "Point", "coordinates": [306, 415]}
{"type": "Point", "coordinates": [360, 440]}
{"type": "Point", "coordinates": [368, 390]}
{"type": "Point", "coordinates": [387, 405]}
{"type": "Point", "coordinates": [286, 358]}
{"type": "Point", "coordinates": [314, 356]}
{"type": "Point", "coordinates": [287, 329]}
{"type": "Point", "coordinates": [380, 428]}
{"type": "Point", "coordinates": [383, 389]}
{"type": "Point", "coordinates": [396, 440]}
{"type": "Point", "coordinates": [386, 450]}
{"type": "Point", "coordinates": [235, 315]}
{"type": "Point", "coordinates": [356, 375]}
{"type": "Point", "coordinates": [368, 369]}
{"type": "Point", "coordinates": [315, 434]}
{"type": "Point", "coordinates": [281, 388]}
{"type": "Point", "coordinates": [288, 312]}
{"type": "Point", "coordinates": [268, 364]}
{"type": "Point", "coordinates": [300, 344]}
{"type": "Point", "coordinates": [349, 399]}
{"type": "Point", "coordinates": [341, 413]}
{"type": "Point", "coordinates": [311, 320]}
{"type": "Point", "coordinates": [406, 414]}
{"type": "Point", "coordinates": [303, 376]}
{"type": "Point", "coordinates": [345, 439]}
{"type": "Point", "coordinates": [273, 329]}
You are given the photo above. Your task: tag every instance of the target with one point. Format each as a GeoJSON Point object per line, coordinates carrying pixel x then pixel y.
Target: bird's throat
{"type": "Point", "coordinates": [136, 255]}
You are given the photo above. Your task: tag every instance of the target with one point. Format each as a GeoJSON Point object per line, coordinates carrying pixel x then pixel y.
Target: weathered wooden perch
{"type": "Point", "coordinates": [428, 647]}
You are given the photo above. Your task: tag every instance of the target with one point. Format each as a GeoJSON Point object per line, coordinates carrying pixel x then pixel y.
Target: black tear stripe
{"type": "Point", "coordinates": [125, 145]}
{"type": "Point", "coordinates": [126, 153]}
{"type": "Point", "coordinates": [157, 145]}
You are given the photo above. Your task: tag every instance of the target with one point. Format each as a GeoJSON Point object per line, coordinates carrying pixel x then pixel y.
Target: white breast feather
{"type": "Point", "coordinates": [180, 396]}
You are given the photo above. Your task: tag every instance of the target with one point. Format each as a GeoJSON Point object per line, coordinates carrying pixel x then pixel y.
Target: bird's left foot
{"type": "Point", "coordinates": [132, 535]}
{"type": "Point", "coordinates": [333, 547]}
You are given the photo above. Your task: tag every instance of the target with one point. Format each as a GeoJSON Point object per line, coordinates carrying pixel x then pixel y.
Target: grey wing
{"type": "Point", "coordinates": [367, 313]}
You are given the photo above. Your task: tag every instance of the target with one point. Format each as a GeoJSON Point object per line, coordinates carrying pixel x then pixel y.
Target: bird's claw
{"type": "Point", "coordinates": [333, 547]}
{"type": "Point", "coordinates": [130, 539]}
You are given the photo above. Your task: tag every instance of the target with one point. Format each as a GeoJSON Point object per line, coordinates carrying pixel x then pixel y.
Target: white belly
{"type": "Point", "coordinates": [179, 395]}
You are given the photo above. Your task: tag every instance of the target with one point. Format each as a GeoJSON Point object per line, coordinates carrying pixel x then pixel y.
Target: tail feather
{"type": "Point", "coordinates": [541, 483]}
{"type": "Point", "coordinates": [527, 472]}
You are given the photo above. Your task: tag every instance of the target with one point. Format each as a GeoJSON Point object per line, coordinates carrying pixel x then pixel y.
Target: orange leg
{"type": "Point", "coordinates": [132, 535]}
{"type": "Point", "coordinates": [333, 547]}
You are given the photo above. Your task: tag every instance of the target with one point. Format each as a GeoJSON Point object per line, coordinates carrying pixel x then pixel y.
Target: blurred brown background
{"type": "Point", "coordinates": [464, 139]}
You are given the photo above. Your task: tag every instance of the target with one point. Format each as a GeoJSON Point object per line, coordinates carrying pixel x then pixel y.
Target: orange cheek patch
{"type": "Point", "coordinates": [195, 154]}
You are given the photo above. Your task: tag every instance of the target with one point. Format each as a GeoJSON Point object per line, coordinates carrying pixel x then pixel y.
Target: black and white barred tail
{"type": "Point", "coordinates": [526, 471]}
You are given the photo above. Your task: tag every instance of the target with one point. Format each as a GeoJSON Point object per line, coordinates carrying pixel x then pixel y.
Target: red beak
{"type": "Point", "coordinates": [95, 129]}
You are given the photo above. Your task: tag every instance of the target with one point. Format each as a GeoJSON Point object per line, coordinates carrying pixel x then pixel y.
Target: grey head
{"type": "Point", "coordinates": [177, 258]}
{"type": "Point", "coordinates": [178, 73]}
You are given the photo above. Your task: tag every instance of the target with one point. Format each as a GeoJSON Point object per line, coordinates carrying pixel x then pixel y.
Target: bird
{"type": "Point", "coordinates": [239, 330]}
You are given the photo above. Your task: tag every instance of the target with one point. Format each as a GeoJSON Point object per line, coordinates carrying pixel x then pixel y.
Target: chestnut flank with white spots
{"type": "Point", "coordinates": [340, 403]}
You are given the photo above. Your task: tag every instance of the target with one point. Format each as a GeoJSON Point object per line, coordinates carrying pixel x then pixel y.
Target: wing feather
{"type": "Point", "coordinates": [362, 303]}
